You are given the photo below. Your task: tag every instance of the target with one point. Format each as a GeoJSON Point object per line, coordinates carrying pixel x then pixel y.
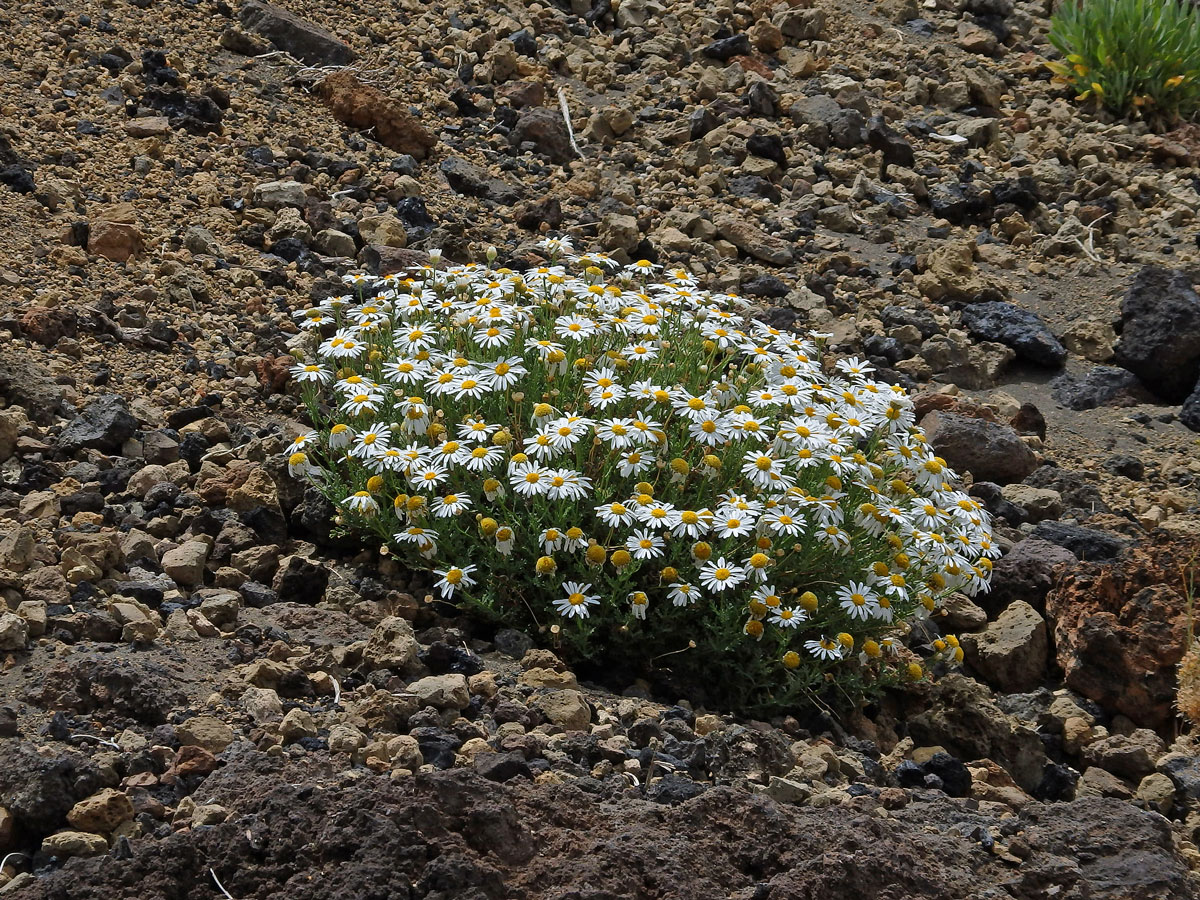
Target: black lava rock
{"type": "Point", "coordinates": [894, 147]}
{"type": "Point", "coordinates": [512, 643]}
{"type": "Point", "coordinates": [767, 146]}
{"type": "Point", "coordinates": [301, 580]}
{"type": "Point", "coordinates": [105, 424]}
{"type": "Point", "coordinates": [1126, 466]}
{"type": "Point", "coordinates": [956, 780]}
{"type": "Point", "coordinates": [502, 766]}
{"type": "Point", "coordinates": [673, 789]}
{"type": "Point", "coordinates": [1086, 543]}
{"type": "Point", "coordinates": [727, 48]}
{"type": "Point", "coordinates": [1018, 328]}
{"type": "Point", "coordinates": [437, 745]}
{"type": "Point", "coordinates": [1101, 386]}
{"type": "Point", "coordinates": [700, 122]}
{"type": "Point", "coordinates": [1160, 332]}
{"type": "Point", "coordinates": [765, 286]}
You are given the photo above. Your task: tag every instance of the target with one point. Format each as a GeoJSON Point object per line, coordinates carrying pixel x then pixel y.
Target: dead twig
{"type": "Point", "coordinates": [566, 114]}
{"type": "Point", "coordinates": [99, 740]}
{"type": "Point", "coordinates": [1089, 247]}
{"type": "Point", "coordinates": [220, 886]}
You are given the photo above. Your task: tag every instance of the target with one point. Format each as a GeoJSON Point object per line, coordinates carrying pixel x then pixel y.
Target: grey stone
{"type": "Point", "coordinates": [302, 39]}
{"type": "Point", "coordinates": [105, 424]}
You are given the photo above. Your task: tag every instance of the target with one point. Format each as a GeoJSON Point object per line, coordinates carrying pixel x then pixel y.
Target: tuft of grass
{"type": "Point", "coordinates": [1134, 57]}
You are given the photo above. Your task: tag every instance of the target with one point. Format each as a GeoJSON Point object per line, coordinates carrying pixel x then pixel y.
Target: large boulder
{"type": "Point", "coordinates": [961, 715]}
{"type": "Point", "coordinates": [1120, 630]}
{"type": "Point", "coordinates": [990, 451]}
{"type": "Point", "coordinates": [39, 791]}
{"type": "Point", "coordinates": [1160, 332]}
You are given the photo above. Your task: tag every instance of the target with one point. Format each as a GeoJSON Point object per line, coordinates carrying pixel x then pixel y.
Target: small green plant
{"type": "Point", "coordinates": [633, 468]}
{"type": "Point", "coordinates": [1131, 56]}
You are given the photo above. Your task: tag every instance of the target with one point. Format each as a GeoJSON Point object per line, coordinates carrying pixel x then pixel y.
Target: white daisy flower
{"type": "Point", "coordinates": [299, 465]}
{"type": "Point", "coordinates": [824, 648]}
{"type": "Point", "coordinates": [638, 604]}
{"type": "Point", "coordinates": [492, 336]}
{"type": "Point", "coordinates": [361, 502]}
{"type": "Point", "coordinates": [765, 471]}
{"type": "Point", "coordinates": [362, 404]}
{"type": "Point", "coordinates": [405, 371]}
{"type": "Point", "coordinates": [551, 539]}
{"type": "Point", "coordinates": [646, 351]}
{"type": "Point", "coordinates": [427, 476]}
{"type": "Point", "coordinates": [788, 616]}
{"type": "Point", "coordinates": [482, 458]}
{"type": "Point", "coordinates": [656, 514]}
{"type": "Point", "coordinates": [729, 523]}
{"type": "Point", "coordinates": [452, 579]}
{"type": "Point", "coordinates": [577, 600]}
{"type": "Point", "coordinates": [473, 429]}
{"type": "Point", "coordinates": [505, 537]}
{"type": "Point", "coordinates": [684, 594]}
{"type": "Point", "coordinates": [506, 373]}
{"type": "Point", "coordinates": [644, 544]}
{"type": "Point", "coordinates": [857, 600]}
{"type": "Point", "coordinates": [617, 433]}
{"type": "Point", "coordinates": [614, 514]}
{"type": "Point", "coordinates": [472, 386]}
{"type": "Point", "coordinates": [574, 327]}
{"type": "Point", "coordinates": [311, 373]}
{"type": "Point", "coordinates": [711, 431]}
{"type": "Point", "coordinates": [567, 484]}
{"type": "Point", "coordinates": [450, 505]}
{"type": "Point", "coordinates": [529, 479]}
{"type": "Point", "coordinates": [302, 441]}
{"type": "Point", "coordinates": [690, 523]}
{"type": "Point", "coordinates": [721, 575]}
{"type": "Point", "coordinates": [371, 441]}
{"type": "Point", "coordinates": [567, 431]}
{"type": "Point", "coordinates": [782, 520]}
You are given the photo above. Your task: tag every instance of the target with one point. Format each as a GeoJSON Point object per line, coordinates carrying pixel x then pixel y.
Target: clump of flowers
{"type": "Point", "coordinates": [640, 471]}
{"type": "Point", "coordinates": [1130, 56]}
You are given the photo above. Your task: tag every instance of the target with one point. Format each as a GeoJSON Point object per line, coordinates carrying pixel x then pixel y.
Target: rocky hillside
{"type": "Point", "coordinates": [204, 693]}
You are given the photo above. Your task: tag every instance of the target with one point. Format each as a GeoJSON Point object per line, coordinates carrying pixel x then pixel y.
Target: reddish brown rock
{"type": "Point", "coordinates": [523, 94]}
{"type": "Point", "coordinates": [48, 325]}
{"type": "Point", "coordinates": [1119, 630]}
{"type": "Point", "coordinates": [359, 105]}
{"type": "Point", "coordinates": [190, 760]}
{"type": "Point", "coordinates": [273, 372]}
{"type": "Point", "coordinates": [115, 240]}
